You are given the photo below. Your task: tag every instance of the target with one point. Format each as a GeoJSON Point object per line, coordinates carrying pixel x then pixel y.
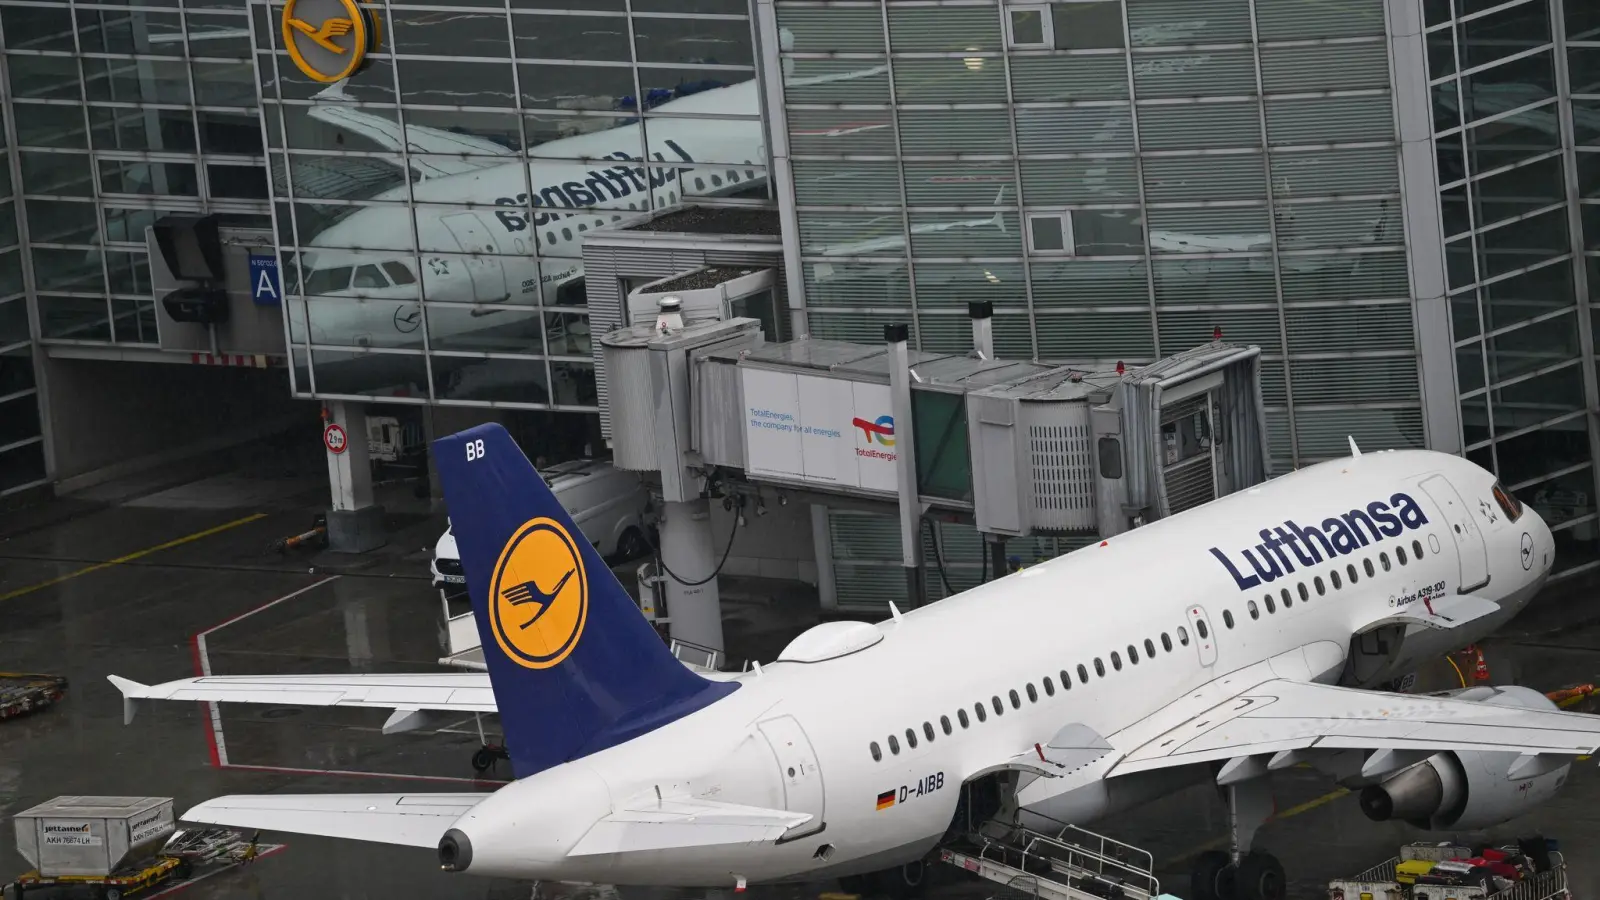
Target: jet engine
{"type": "Point", "coordinates": [1465, 790]}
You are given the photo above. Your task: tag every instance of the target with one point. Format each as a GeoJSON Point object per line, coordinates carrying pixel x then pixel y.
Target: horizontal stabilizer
{"type": "Point", "coordinates": [459, 692]}
{"type": "Point", "coordinates": [412, 820]}
{"type": "Point", "coordinates": [677, 824]}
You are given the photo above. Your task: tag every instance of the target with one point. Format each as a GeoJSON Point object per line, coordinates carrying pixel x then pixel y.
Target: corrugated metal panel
{"type": "Point", "coordinates": [719, 413]}
{"type": "Point", "coordinates": [965, 239]}
{"type": "Point", "coordinates": [1185, 330]}
{"type": "Point", "coordinates": [1279, 442]}
{"type": "Point", "coordinates": [964, 183]}
{"type": "Point", "coordinates": [1317, 226]}
{"type": "Point", "coordinates": [1382, 380]}
{"type": "Point", "coordinates": [1098, 336]}
{"type": "Point", "coordinates": [950, 80]}
{"type": "Point", "coordinates": [1318, 120]}
{"type": "Point", "coordinates": [866, 558]}
{"type": "Point", "coordinates": [801, 84]}
{"type": "Point", "coordinates": [1087, 283]}
{"type": "Point", "coordinates": [1317, 173]}
{"type": "Point", "coordinates": [1047, 78]}
{"type": "Point", "coordinates": [864, 328]}
{"type": "Point", "coordinates": [1324, 433]}
{"type": "Point", "coordinates": [1156, 22]}
{"type": "Point", "coordinates": [1079, 129]}
{"type": "Point", "coordinates": [1198, 126]}
{"type": "Point", "coordinates": [1188, 178]}
{"type": "Point", "coordinates": [1189, 228]}
{"type": "Point", "coordinates": [1293, 20]}
{"type": "Point", "coordinates": [1059, 438]}
{"type": "Point", "coordinates": [832, 29]}
{"type": "Point", "coordinates": [1339, 67]}
{"type": "Point", "coordinates": [1187, 281]}
{"type": "Point", "coordinates": [1338, 328]}
{"type": "Point", "coordinates": [836, 229]}
{"type": "Point", "coordinates": [1189, 483]}
{"type": "Point", "coordinates": [1274, 389]}
{"type": "Point", "coordinates": [945, 131]}
{"type": "Point", "coordinates": [857, 284]}
{"type": "Point", "coordinates": [1210, 73]}
{"type": "Point", "coordinates": [943, 332]}
{"type": "Point", "coordinates": [632, 402]}
{"type": "Point", "coordinates": [933, 28]}
{"type": "Point", "coordinates": [846, 183]}
{"type": "Point", "coordinates": [1047, 181]}
{"type": "Point", "coordinates": [837, 131]}
{"type": "Point", "coordinates": [957, 284]}
{"type": "Point", "coordinates": [1365, 276]}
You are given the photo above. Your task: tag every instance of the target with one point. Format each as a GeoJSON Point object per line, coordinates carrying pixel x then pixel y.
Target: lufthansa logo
{"type": "Point", "coordinates": [1527, 551]}
{"type": "Point", "coordinates": [539, 597]}
{"type": "Point", "coordinates": [328, 40]}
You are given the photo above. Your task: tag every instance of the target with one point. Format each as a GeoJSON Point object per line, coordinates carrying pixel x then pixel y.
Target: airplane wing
{"type": "Point", "coordinates": [678, 823]}
{"type": "Point", "coordinates": [1257, 713]}
{"type": "Point", "coordinates": [412, 820]}
{"type": "Point", "coordinates": [433, 152]}
{"type": "Point", "coordinates": [407, 695]}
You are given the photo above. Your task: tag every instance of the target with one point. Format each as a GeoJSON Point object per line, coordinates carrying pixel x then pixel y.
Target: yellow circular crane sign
{"type": "Point", "coordinates": [328, 39]}
{"type": "Point", "coordinates": [539, 595]}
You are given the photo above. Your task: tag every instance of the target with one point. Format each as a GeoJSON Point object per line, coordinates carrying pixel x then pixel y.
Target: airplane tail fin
{"type": "Point", "coordinates": [574, 665]}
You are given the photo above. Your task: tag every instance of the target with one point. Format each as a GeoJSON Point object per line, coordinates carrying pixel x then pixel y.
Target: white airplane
{"type": "Point", "coordinates": [1066, 692]}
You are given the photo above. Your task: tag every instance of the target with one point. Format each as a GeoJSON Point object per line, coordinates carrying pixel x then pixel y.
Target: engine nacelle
{"type": "Point", "coordinates": [1465, 790]}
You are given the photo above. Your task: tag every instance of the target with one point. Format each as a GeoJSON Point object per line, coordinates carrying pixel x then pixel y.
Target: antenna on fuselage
{"type": "Point", "coordinates": [894, 611]}
{"type": "Point", "coordinates": [1355, 452]}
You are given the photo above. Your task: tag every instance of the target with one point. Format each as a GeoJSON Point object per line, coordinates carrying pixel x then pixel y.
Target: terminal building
{"type": "Point", "coordinates": [220, 222]}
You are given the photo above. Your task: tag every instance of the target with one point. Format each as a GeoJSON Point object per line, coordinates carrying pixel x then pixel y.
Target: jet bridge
{"type": "Point", "coordinates": [975, 453]}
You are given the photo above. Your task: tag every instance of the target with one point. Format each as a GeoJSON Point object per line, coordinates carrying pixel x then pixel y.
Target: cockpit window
{"type": "Point", "coordinates": [1509, 504]}
{"type": "Point", "coordinates": [369, 276]}
{"type": "Point", "coordinates": [399, 273]}
{"type": "Point", "coordinates": [326, 281]}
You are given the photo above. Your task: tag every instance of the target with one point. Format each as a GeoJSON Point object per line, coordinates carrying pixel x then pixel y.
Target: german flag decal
{"type": "Point", "coordinates": [885, 799]}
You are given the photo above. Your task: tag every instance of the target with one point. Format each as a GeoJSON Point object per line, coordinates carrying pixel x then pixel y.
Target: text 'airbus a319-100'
{"type": "Point", "coordinates": [1220, 644]}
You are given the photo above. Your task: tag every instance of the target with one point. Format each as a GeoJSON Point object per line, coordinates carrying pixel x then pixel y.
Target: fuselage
{"type": "Point", "coordinates": [1131, 624]}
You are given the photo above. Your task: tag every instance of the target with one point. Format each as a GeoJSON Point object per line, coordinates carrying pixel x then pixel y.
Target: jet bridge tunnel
{"type": "Point", "coordinates": [973, 461]}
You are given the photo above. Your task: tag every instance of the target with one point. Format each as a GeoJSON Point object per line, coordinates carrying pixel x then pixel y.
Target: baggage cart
{"type": "Point", "coordinates": [22, 692]}
{"type": "Point", "coordinates": [1545, 877]}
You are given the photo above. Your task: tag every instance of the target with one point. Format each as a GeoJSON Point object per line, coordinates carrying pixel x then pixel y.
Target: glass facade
{"type": "Point", "coordinates": [430, 208]}
{"type": "Point", "coordinates": [21, 435]}
{"type": "Point", "coordinates": [1517, 177]}
{"type": "Point", "coordinates": [1122, 178]}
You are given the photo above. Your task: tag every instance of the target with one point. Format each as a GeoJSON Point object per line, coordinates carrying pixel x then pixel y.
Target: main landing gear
{"type": "Point", "coordinates": [487, 754]}
{"type": "Point", "coordinates": [1241, 873]}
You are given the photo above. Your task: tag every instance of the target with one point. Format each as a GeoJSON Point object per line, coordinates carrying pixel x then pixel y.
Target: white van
{"type": "Point", "coordinates": [606, 503]}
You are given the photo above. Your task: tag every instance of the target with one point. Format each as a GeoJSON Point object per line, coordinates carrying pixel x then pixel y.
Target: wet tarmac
{"type": "Point", "coordinates": [83, 594]}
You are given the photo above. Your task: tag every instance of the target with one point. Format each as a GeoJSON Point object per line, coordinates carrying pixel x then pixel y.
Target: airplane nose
{"type": "Point", "coordinates": [455, 851]}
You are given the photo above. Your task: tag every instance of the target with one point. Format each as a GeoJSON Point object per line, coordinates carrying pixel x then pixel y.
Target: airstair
{"type": "Point", "coordinates": [1070, 864]}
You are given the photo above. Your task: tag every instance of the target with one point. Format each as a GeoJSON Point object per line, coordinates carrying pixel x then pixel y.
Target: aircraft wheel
{"type": "Point", "coordinates": [1261, 877]}
{"type": "Point", "coordinates": [482, 760]}
{"type": "Point", "coordinates": [632, 545]}
{"type": "Point", "coordinates": [903, 882]}
{"type": "Point", "coordinates": [1211, 878]}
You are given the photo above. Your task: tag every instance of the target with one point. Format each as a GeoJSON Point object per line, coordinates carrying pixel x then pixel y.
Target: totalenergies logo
{"type": "Point", "coordinates": [539, 596]}
{"type": "Point", "coordinates": [880, 430]}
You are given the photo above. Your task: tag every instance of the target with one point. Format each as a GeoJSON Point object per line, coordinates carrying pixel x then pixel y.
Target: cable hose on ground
{"type": "Point", "coordinates": [714, 572]}
{"type": "Point", "coordinates": [938, 556]}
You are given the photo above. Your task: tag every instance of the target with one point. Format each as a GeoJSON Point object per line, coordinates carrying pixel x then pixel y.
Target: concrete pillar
{"type": "Point", "coordinates": [691, 551]}
{"type": "Point", "coordinates": [355, 523]}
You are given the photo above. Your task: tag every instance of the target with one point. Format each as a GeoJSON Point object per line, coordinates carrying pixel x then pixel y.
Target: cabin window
{"type": "Point", "coordinates": [1304, 594]}
{"type": "Point", "coordinates": [1400, 555]}
{"type": "Point", "coordinates": [927, 730]}
{"type": "Point", "coordinates": [1016, 702]}
{"type": "Point", "coordinates": [1335, 576]}
{"type": "Point", "coordinates": [1149, 648]}
{"type": "Point", "coordinates": [911, 738]}
{"type": "Point", "coordinates": [894, 745]}
{"type": "Point", "coordinates": [1099, 667]}
{"type": "Point", "coordinates": [1255, 611]}
{"type": "Point", "coordinates": [944, 723]}
{"type": "Point", "coordinates": [1270, 607]}
{"type": "Point", "coordinates": [399, 273]}
{"type": "Point", "coordinates": [1083, 674]}
{"type": "Point", "coordinates": [1183, 636]}
{"type": "Point", "coordinates": [983, 715]}
{"type": "Point", "coordinates": [999, 708]}
{"type": "Point", "coordinates": [1367, 564]}
{"type": "Point", "coordinates": [1350, 570]}
{"type": "Point", "coordinates": [1384, 559]}
{"type": "Point", "coordinates": [1202, 630]}
{"type": "Point", "coordinates": [877, 752]}
{"type": "Point", "coordinates": [1286, 600]}
{"type": "Point", "coordinates": [1049, 687]}
{"type": "Point", "coordinates": [1166, 642]}
{"type": "Point", "coordinates": [1116, 661]}
{"type": "Point", "coordinates": [1033, 695]}
{"type": "Point", "coordinates": [1227, 617]}
{"type": "Point", "coordinates": [1066, 680]}
{"type": "Point", "coordinates": [1133, 654]}
{"type": "Point", "coordinates": [1416, 549]}
{"type": "Point", "coordinates": [1321, 589]}
{"type": "Point", "coordinates": [961, 716]}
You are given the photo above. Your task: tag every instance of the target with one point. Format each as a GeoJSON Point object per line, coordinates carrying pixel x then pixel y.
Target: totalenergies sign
{"type": "Point", "coordinates": [819, 429]}
{"type": "Point", "coordinates": [329, 40]}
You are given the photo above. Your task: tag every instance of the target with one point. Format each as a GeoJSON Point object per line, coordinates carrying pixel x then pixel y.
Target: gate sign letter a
{"type": "Point", "coordinates": [264, 287]}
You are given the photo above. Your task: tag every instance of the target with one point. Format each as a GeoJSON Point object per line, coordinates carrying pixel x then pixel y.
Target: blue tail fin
{"type": "Point", "coordinates": [575, 666]}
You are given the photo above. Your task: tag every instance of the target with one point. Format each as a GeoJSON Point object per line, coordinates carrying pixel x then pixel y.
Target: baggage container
{"type": "Point", "coordinates": [90, 835]}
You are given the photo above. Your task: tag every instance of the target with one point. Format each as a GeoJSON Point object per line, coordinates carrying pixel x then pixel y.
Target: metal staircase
{"type": "Point", "coordinates": [1070, 864]}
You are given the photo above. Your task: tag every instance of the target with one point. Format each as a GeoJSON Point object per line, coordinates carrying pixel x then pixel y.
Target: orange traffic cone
{"type": "Point", "coordinates": [1480, 669]}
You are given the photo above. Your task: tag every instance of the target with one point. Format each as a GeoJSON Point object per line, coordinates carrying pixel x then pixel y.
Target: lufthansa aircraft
{"type": "Point", "coordinates": [1218, 645]}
